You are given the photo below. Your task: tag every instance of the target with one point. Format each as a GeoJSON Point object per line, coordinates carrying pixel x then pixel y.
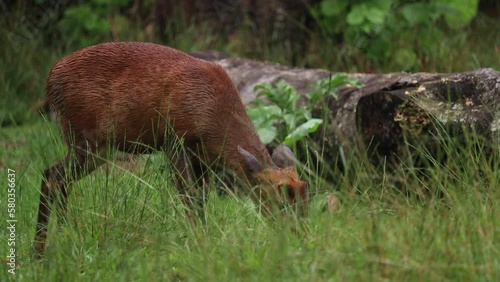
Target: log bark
{"type": "Point", "coordinates": [391, 110]}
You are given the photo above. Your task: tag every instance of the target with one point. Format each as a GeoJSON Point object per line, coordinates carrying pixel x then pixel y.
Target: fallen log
{"type": "Point", "coordinates": [391, 110]}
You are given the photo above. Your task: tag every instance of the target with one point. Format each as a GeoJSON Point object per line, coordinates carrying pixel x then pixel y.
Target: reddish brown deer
{"type": "Point", "coordinates": [139, 97]}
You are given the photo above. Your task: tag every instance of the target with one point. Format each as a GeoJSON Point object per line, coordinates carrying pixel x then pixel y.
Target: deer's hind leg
{"type": "Point", "coordinates": [56, 180]}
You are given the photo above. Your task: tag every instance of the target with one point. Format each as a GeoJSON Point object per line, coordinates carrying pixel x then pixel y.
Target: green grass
{"type": "Point", "coordinates": [126, 223]}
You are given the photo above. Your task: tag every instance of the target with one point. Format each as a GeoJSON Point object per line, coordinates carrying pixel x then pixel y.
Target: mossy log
{"type": "Point", "coordinates": [391, 110]}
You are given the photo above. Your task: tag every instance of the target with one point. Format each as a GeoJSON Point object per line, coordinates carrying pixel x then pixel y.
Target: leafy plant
{"type": "Point", "coordinates": [289, 119]}
{"type": "Point", "coordinates": [385, 30]}
{"type": "Point", "coordinates": [92, 22]}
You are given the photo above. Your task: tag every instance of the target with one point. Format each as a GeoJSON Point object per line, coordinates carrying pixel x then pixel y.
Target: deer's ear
{"type": "Point", "coordinates": [283, 157]}
{"type": "Point", "coordinates": [251, 161]}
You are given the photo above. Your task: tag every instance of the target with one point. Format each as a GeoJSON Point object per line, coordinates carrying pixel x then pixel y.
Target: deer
{"type": "Point", "coordinates": [138, 97]}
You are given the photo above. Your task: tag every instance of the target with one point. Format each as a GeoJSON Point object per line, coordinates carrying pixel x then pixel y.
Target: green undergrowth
{"type": "Point", "coordinates": [436, 220]}
{"type": "Point", "coordinates": [125, 222]}
{"type": "Point", "coordinates": [28, 55]}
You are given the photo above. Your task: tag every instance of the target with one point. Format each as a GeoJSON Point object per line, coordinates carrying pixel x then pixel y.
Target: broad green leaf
{"type": "Point", "coordinates": [260, 114]}
{"type": "Point", "coordinates": [263, 119]}
{"type": "Point", "coordinates": [416, 13]}
{"type": "Point", "coordinates": [290, 120]}
{"type": "Point", "coordinates": [458, 13]}
{"type": "Point", "coordinates": [302, 131]}
{"type": "Point", "coordinates": [375, 16]}
{"type": "Point", "coordinates": [357, 15]}
{"type": "Point", "coordinates": [267, 132]}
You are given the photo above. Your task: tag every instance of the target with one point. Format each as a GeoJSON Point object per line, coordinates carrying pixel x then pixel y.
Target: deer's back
{"type": "Point", "coordinates": [133, 91]}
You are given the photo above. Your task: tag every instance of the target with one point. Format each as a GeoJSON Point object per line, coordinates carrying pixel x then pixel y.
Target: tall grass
{"type": "Point", "coordinates": [125, 222]}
